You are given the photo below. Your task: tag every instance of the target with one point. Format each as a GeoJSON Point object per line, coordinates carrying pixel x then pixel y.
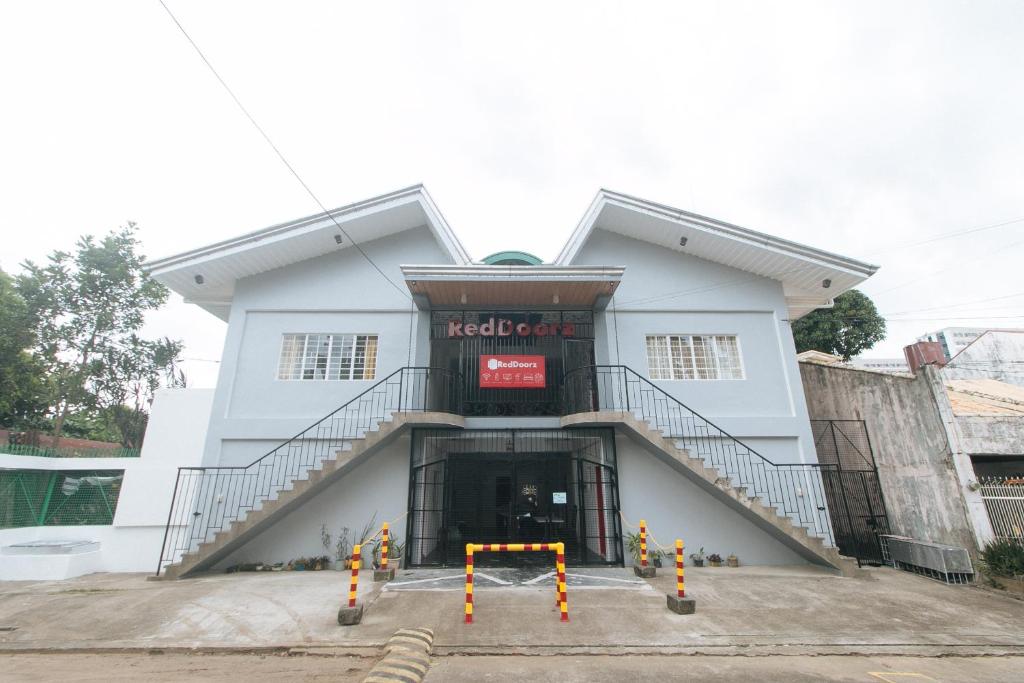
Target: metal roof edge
{"type": "Point", "coordinates": [417, 192]}
{"type": "Point", "coordinates": [606, 197]}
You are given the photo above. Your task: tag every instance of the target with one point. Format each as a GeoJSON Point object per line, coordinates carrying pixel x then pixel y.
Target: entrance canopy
{"type": "Point", "coordinates": [516, 286]}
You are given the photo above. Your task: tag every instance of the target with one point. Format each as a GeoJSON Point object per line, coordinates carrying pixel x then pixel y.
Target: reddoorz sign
{"type": "Point", "coordinates": [511, 372]}
{"type": "Point", "coordinates": [506, 328]}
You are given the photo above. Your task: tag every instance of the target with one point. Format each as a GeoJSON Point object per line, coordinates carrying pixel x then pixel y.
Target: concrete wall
{"type": "Point", "coordinates": [377, 486]}
{"type": "Point", "coordinates": [766, 408]}
{"type": "Point", "coordinates": [174, 438]}
{"type": "Point", "coordinates": [915, 462]}
{"type": "Point", "coordinates": [991, 434]}
{"type": "Point", "coordinates": [674, 507]}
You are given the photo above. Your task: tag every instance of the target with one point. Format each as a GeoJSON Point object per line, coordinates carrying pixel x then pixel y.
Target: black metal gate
{"type": "Point", "coordinates": [852, 490]}
{"type": "Point", "coordinates": [501, 486]}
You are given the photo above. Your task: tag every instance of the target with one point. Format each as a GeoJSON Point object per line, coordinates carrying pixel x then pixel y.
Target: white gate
{"type": "Point", "coordinates": [1004, 501]}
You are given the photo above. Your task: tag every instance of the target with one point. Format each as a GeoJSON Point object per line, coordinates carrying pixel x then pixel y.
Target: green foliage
{"type": "Point", "coordinates": [22, 386]}
{"type": "Point", "coordinates": [1003, 557]}
{"type": "Point", "coordinates": [86, 309]}
{"type": "Point", "coordinates": [851, 326]}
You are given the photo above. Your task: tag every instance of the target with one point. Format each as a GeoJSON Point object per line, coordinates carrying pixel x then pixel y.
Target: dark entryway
{"type": "Point", "coordinates": [503, 499]}
{"type": "Point", "coordinates": [512, 486]}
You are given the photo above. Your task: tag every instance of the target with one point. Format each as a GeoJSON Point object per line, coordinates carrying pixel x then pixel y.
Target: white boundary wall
{"type": "Point", "coordinates": [174, 438]}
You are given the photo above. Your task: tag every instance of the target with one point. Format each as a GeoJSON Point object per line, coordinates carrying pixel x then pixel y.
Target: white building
{"type": "Point", "coordinates": [953, 339]}
{"type": "Point", "coordinates": [648, 372]}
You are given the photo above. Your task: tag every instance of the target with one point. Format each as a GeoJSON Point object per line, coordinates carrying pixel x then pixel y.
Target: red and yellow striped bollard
{"type": "Point", "coordinates": [355, 576]}
{"type": "Point", "coordinates": [680, 586]}
{"type": "Point", "coordinates": [563, 603]}
{"type": "Point", "coordinates": [559, 548]}
{"type": "Point", "coordinates": [643, 543]}
{"type": "Point", "coordinates": [469, 583]}
{"type": "Point", "coordinates": [384, 547]}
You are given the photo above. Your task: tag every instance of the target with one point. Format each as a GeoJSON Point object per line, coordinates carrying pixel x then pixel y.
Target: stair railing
{"type": "Point", "coordinates": [795, 490]}
{"type": "Point", "coordinates": [209, 499]}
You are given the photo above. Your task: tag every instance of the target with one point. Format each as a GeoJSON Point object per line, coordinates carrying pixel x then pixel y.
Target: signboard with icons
{"type": "Point", "coordinates": [512, 372]}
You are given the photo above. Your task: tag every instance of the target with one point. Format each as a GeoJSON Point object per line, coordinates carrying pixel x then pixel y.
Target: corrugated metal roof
{"type": "Point", "coordinates": [985, 397]}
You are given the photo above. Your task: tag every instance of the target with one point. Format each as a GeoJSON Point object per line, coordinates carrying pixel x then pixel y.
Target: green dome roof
{"type": "Point", "coordinates": [512, 258]}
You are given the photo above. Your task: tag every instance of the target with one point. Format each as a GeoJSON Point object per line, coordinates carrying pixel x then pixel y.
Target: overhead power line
{"type": "Point", "coordinates": [278, 151]}
{"type": "Point", "coordinates": [947, 235]}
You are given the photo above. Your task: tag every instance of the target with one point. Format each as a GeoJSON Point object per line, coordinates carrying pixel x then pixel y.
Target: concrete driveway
{"type": "Point", "coordinates": [752, 610]}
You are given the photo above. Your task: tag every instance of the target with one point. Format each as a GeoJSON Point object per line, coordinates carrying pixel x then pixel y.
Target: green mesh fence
{"type": "Point", "coordinates": [59, 498]}
{"type": "Point", "coordinates": [66, 452]}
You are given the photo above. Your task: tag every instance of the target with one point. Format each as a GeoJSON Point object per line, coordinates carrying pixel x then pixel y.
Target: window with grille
{"type": "Point", "coordinates": [328, 356]}
{"type": "Point", "coordinates": [692, 356]}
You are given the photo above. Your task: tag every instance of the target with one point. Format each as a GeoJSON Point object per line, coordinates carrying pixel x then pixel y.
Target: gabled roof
{"type": "Point", "coordinates": [221, 264]}
{"type": "Point", "coordinates": [801, 269]}
{"type": "Point", "coordinates": [206, 276]}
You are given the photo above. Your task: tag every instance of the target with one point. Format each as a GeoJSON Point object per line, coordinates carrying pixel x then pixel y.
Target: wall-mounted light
{"type": "Point", "coordinates": [826, 283]}
{"type": "Point", "coordinates": [682, 241]}
{"type": "Point", "coordinates": [199, 279]}
{"type": "Point", "coordinates": [462, 299]}
{"type": "Point", "coordinates": [554, 299]}
{"type": "Point", "coordinates": [337, 239]}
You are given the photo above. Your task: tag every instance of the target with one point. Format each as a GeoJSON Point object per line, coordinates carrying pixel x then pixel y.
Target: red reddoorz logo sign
{"type": "Point", "coordinates": [512, 372]}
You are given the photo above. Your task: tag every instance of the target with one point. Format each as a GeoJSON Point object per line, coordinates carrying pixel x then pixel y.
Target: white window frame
{"type": "Point", "coordinates": [716, 356]}
{"type": "Point", "coordinates": [334, 339]}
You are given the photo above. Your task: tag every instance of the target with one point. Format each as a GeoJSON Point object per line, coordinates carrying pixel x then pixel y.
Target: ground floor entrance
{"type": "Point", "coordinates": [505, 486]}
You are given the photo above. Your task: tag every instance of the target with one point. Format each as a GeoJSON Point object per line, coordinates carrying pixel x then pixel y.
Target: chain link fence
{"type": "Point", "coordinates": [58, 498]}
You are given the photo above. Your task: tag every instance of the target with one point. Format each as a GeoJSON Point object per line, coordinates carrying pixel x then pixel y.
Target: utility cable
{"type": "Point", "coordinates": [278, 151]}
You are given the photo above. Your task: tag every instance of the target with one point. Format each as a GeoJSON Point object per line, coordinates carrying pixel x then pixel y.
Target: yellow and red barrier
{"type": "Point", "coordinates": [384, 547]}
{"type": "Point", "coordinates": [355, 575]}
{"type": "Point", "coordinates": [643, 543]}
{"type": "Point", "coordinates": [561, 598]}
{"type": "Point", "coordinates": [680, 586]}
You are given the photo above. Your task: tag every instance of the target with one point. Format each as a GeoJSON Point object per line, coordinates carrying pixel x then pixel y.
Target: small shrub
{"type": "Point", "coordinates": [1003, 557]}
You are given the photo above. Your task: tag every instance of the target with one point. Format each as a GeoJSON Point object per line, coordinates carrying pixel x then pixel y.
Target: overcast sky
{"type": "Point", "coordinates": [856, 127]}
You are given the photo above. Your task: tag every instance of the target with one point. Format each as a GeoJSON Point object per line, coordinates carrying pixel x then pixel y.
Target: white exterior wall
{"type": "Point", "coordinates": [375, 488]}
{"type": "Point", "coordinates": [995, 355]}
{"type": "Point", "coordinates": [674, 507]}
{"type": "Point", "coordinates": [253, 411]}
{"type": "Point", "coordinates": [766, 409]}
{"type": "Point", "coordinates": [174, 438]}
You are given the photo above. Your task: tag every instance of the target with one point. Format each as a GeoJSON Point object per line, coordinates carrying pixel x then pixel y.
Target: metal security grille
{"type": "Point", "coordinates": [462, 354]}
{"type": "Point", "coordinates": [502, 486]}
{"type": "Point", "coordinates": [1004, 502]}
{"type": "Point", "coordinates": [852, 489]}
{"type": "Point", "coordinates": [63, 498]}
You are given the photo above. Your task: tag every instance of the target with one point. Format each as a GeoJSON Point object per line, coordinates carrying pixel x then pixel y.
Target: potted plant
{"type": "Point", "coordinates": [343, 550]}
{"type": "Point", "coordinates": [698, 558]}
{"type": "Point", "coordinates": [715, 560]}
{"type": "Point", "coordinates": [732, 560]}
{"type": "Point", "coordinates": [325, 541]}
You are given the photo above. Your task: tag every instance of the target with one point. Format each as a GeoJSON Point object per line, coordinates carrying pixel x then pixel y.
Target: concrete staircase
{"type": "Point", "coordinates": [779, 526]}
{"type": "Point", "coordinates": [311, 482]}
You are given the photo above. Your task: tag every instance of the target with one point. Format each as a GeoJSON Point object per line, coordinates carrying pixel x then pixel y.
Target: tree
{"type": "Point", "coordinates": [86, 309]}
{"type": "Point", "coordinates": [22, 402]}
{"type": "Point", "coordinates": [851, 326]}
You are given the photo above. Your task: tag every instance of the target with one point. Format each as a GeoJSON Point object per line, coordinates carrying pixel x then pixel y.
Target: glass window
{"type": "Point", "coordinates": [693, 356]}
{"type": "Point", "coordinates": [328, 357]}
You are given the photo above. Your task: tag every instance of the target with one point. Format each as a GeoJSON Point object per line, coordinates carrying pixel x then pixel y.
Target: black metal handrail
{"type": "Point", "coordinates": [208, 499]}
{"type": "Point", "coordinates": [796, 490]}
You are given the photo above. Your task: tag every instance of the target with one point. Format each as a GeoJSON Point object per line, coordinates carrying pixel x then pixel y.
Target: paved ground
{"type": "Point", "coordinates": [751, 610]}
{"type": "Point", "coordinates": [563, 669]}
{"type": "Point", "coordinates": [600, 669]}
{"type": "Point", "coordinates": [178, 667]}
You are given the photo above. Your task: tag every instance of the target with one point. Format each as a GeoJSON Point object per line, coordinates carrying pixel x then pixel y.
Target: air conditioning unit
{"type": "Point", "coordinates": [948, 563]}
